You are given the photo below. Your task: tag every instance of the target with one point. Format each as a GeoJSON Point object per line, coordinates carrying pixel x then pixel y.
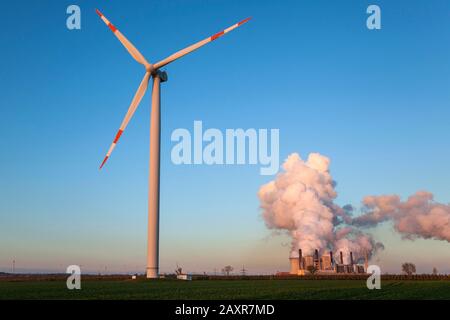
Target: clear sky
{"type": "Point", "coordinates": [377, 103]}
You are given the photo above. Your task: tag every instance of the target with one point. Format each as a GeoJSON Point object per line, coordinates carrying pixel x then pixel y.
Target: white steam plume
{"type": "Point", "coordinates": [300, 201]}
{"type": "Point", "coordinates": [417, 217]}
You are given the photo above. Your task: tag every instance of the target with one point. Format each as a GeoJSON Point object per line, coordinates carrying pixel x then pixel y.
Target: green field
{"type": "Point", "coordinates": [225, 289]}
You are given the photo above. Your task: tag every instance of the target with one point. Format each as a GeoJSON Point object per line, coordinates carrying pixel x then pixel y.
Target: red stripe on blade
{"type": "Point", "coordinates": [244, 21]}
{"type": "Point", "coordinates": [111, 26]}
{"type": "Point", "coordinates": [104, 160]}
{"type": "Point", "coordinates": [119, 133]}
{"type": "Point", "coordinates": [98, 12]}
{"type": "Point", "coordinates": [214, 37]}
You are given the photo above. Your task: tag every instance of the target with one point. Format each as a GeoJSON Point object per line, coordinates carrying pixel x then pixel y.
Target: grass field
{"type": "Point", "coordinates": [225, 289]}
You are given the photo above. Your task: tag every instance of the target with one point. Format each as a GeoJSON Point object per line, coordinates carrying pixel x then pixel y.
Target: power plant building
{"type": "Point", "coordinates": [325, 264]}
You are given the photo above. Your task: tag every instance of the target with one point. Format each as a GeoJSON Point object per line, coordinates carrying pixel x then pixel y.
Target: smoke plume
{"type": "Point", "coordinates": [417, 217]}
{"type": "Point", "coordinates": [300, 201]}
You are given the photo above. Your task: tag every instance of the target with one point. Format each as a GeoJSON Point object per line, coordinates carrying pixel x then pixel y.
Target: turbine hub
{"type": "Point", "coordinates": [150, 69]}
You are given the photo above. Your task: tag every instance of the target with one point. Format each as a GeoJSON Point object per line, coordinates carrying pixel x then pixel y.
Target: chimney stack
{"type": "Point", "coordinates": [342, 258]}
{"type": "Point", "coordinates": [331, 257]}
{"type": "Point", "coordinates": [351, 258]}
{"type": "Point", "coordinates": [366, 261]}
{"type": "Point", "coordinates": [300, 259]}
{"type": "Point", "coordinates": [316, 255]}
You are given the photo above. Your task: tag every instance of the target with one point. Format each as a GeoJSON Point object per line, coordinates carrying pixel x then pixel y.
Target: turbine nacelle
{"type": "Point", "coordinates": [162, 75]}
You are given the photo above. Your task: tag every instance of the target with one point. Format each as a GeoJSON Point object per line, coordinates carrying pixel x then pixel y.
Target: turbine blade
{"type": "Point", "coordinates": [197, 45]}
{"type": "Point", "coordinates": [134, 104]}
{"type": "Point", "coordinates": [126, 43]}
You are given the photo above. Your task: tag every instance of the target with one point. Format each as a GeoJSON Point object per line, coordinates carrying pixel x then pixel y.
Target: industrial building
{"type": "Point", "coordinates": [325, 264]}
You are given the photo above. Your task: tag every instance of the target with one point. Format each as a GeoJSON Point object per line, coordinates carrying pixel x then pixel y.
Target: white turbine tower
{"type": "Point", "coordinates": [152, 71]}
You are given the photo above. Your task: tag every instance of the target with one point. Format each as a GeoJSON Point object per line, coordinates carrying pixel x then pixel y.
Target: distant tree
{"type": "Point", "coordinates": [409, 268]}
{"type": "Point", "coordinates": [227, 269]}
{"type": "Point", "coordinates": [435, 271]}
{"type": "Point", "coordinates": [312, 269]}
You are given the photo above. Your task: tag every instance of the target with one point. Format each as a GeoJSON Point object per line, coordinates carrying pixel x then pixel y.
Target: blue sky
{"type": "Point", "coordinates": [376, 102]}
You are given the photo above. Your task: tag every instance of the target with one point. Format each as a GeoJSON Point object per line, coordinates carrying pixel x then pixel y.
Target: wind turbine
{"type": "Point", "coordinates": [152, 71]}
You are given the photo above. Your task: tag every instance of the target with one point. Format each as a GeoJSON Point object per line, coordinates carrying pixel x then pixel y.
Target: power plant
{"type": "Point", "coordinates": [325, 264]}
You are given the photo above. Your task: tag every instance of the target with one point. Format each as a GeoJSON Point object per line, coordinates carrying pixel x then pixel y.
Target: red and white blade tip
{"type": "Point", "coordinates": [221, 33]}
{"type": "Point", "coordinates": [110, 25]}
{"type": "Point", "coordinates": [103, 163]}
{"type": "Point", "coordinates": [113, 145]}
{"type": "Point", "coordinates": [244, 21]}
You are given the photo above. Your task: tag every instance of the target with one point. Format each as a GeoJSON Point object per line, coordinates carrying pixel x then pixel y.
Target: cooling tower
{"type": "Point", "coordinates": [294, 265]}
